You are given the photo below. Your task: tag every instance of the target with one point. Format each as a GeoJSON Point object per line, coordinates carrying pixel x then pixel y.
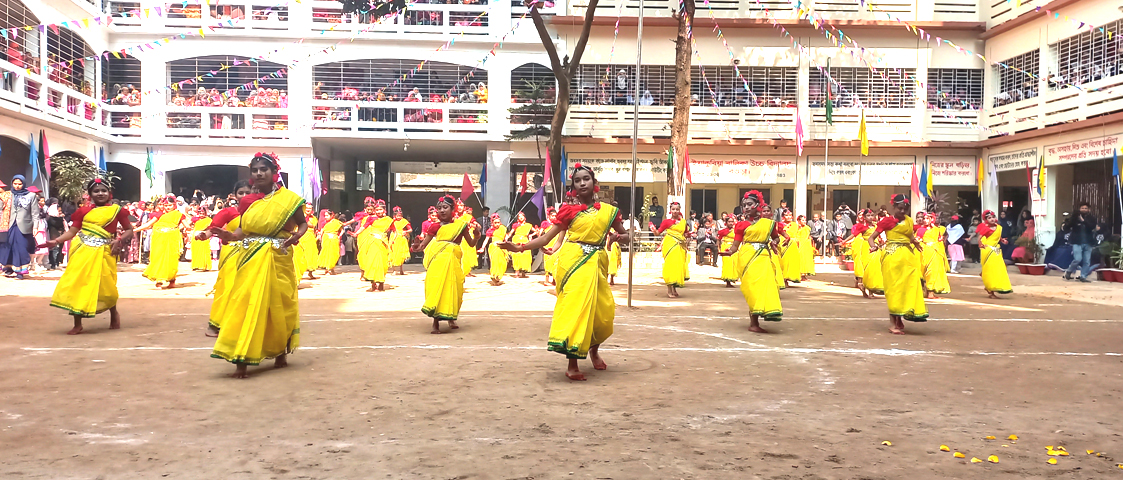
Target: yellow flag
{"type": "Point", "coordinates": [981, 175]}
{"type": "Point", "coordinates": [862, 135]}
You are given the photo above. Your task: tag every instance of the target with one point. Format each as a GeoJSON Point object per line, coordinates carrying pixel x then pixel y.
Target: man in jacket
{"type": "Point", "coordinates": [1082, 229]}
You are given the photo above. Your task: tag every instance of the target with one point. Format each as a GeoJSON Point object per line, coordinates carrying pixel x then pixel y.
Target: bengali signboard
{"type": "Point", "coordinates": [649, 169]}
{"type": "Point", "coordinates": [1015, 160]}
{"type": "Point", "coordinates": [885, 171]}
{"type": "Point", "coordinates": [1085, 150]}
{"type": "Point", "coordinates": [953, 170]}
{"type": "Point", "coordinates": [734, 170]}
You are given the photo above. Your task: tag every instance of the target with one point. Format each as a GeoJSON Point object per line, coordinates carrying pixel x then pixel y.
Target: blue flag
{"type": "Point", "coordinates": [1115, 163]}
{"type": "Point", "coordinates": [101, 160]}
{"type": "Point", "coordinates": [33, 164]}
{"type": "Point", "coordinates": [564, 166]}
{"type": "Point", "coordinates": [483, 183]}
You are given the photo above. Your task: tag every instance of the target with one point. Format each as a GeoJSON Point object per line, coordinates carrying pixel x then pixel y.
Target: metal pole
{"type": "Point", "coordinates": [826, 170]}
{"type": "Point", "coordinates": [635, 138]}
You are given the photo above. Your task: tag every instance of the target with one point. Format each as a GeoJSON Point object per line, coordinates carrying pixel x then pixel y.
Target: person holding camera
{"type": "Point", "coordinates": [1082, 229]}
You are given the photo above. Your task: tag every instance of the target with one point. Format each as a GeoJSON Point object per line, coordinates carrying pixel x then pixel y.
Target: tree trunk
{"type": "Point", "coordinates": [557, 126]}
{"type": "Point", "coordinates": [680, 120]}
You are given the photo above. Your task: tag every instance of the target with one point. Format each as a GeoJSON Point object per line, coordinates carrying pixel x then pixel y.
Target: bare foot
{"type": "Point", "coordinates": [159, 284]}
{"type": "Point", "coordinates": [74, 331]}
{"type": "Point", "coordinates": [672, 295]}
{"type": "Point", "coordinates": [896, 331]}
{"type": "Point", "coordinates": [170, 285]}
{"type": "Point", "coordinates": [382, 287]}
{"type": "Point", "coordinates": [598, 363]}
{"type": "Point", "coordinates": [728, 284]}
{"type": "Point", "coordinates": [281, 362]}
{"type": "Point", "coordinates": [114, 320]}
{"type": "Point", "coordinates": [211, 331]}
{"type": "Point", "coordinates": [436, 327]}
{"type": "Point", "coordinates": [992, 295]}
{"type": "Point", "coordinates": [372, 289]}
{"type": "Point", "coordinates": [240, 372]}
{"type": "Point", "coordinates": [757, 329]}
{"type": "Point", "coordinates": [932, 296]}
{"type": "Point", "coordinates": [452, 324]}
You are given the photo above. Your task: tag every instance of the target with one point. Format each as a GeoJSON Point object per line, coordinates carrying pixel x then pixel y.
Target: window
{"type": "Point", "coordinates": [1087, 57]}
{"type": "Point", "coordinates": [67, 62]}
{"type": "Point", "coordinates": [21, 51]}
{"type": "Point", "coordinates": [1017, 80]}
{"type": "Point", "coordinates": [955, 88]}
{"type": "Point", "coordinates": [532, 74]}
{"type": "Point", "coordinates": [615, 85]}
{"type": "Point", "coordinates": [381, 79]}
{"type": "Point", "coordinates": [237, 79]}
{"type": "Point", "coordinates": [859, 86]}
{"type": "Point", "coordinates": [118, 72]}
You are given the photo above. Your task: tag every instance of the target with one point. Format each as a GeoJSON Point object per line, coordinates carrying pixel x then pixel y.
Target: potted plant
{"type": "Point", "coordinates": [847, 260]}
{"type": "Point", "coordinates": [1034, 252]}
{"type": "Point", "coordinates": [1112, 256]}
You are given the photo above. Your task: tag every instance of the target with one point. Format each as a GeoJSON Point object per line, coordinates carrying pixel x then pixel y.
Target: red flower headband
{"type": "Point", "coordinates": [899, 198]}
{"type": "Point", "coordinates": [988, 213]}
{"type": "Point", "coordinates": [448, 199]}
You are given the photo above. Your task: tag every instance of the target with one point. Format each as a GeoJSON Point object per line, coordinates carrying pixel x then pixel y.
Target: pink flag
{"type": "Point", "coordinates": [546, 177]}
{"type": "Point", "coordinates": [467, 189]}
{"type": "Point", "coordinates": [798, 134]}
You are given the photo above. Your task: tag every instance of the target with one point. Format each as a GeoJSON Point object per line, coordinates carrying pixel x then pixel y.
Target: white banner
{"type": "Point", "coordinates": [953, 170]}
{"type": "Point", "coordinates": [1097, 148]}
{"type": "Point", "coordinates": [438, 168]}
{"type": "Point", "coordinates": [884, 171]}
{"type": "Point", "coordinates": [649, 168]}
{"type": "Point", "coordinates": [731, 170]}
{"type": "Point", "coordinates": [1013, 160]}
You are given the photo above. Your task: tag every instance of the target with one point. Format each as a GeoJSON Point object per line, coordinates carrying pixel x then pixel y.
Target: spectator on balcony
{"type": "Point", "coordinates": [647, 99]}
{"type": "Point", "coordinates": [481, 93]}
{"type": "Point", "coordinates": [414, 95]}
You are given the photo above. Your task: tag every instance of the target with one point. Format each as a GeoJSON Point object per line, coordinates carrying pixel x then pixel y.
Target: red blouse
{"type": "Point", "coordinates": [122, 219]}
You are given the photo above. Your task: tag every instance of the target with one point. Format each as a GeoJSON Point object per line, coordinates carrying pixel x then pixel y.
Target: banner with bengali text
{"type": "Point", "coordinates": [854, 171]}
{"type": "Point", "coordinates": [734, 170]}
{"type": "Point", "coordinates": [1015, 160]}
{"type": "Point", "coordinates": [952, 170]}
{"type": "Point", "coordinates": [1085, 150]}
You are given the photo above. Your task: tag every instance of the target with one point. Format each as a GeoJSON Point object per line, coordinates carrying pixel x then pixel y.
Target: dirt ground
{"type": "Point", "coordinates": [689, 392]}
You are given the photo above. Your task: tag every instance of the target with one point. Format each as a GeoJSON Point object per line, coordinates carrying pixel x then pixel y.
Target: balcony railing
{"type": "Point", "coordinates": [882, 124]}
{"type": "Point", "coordinates": [471, 19]}
{"type": "Point", "coordinates": [38, 96]}
{"type": "Point", "coordinates": [398, 118]}
{"type": "Point", "coordinates": [252, 15]}
{"type": "Point", "coordinates": [198, 123]}
{"type": "Point", "coordinates": [1063, 105]}
{"type": "Point", "coordinates": [705, 122]}
{"type": "Point", "coordinates": [911, 10]}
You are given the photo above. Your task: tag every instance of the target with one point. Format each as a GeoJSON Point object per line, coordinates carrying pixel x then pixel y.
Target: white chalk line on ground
{"type": "Point", "coordinates": [318, 317]}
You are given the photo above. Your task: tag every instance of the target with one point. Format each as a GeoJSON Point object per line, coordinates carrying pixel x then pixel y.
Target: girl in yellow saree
{"type": "Point", "coordinates": [806, 249]}
{"type": "Point", "coordinates": [375, 257]}
{"type": "Point", "coordinates": [900, 267]}
{"type": "Point", "coordinates": [499, 258]}
{"type": "Point", "coordinates": [470, 259]}
{"type": "Point", "coordinates": [675, 269]}
{"type": "Point", "coordinates": [995, 277]}
{"type": "Point", "coordinates": [444, 272]}
{"type": "Point", "coordinates": [729, 268]}
{"type": "Point", "coordinates": [329, 244]}
{"type": "Point", "coordinates": [200, 249]}
{"type": "Point", "coordinates": [615, 257]}
{"type": "Point", "coordinates": [399, 241]}
{"type": "Point", "coordinates": [167, 245]}
{"type": "Point", "coordinates": [859, 248]}
{"type": "Point", "coordinates": [932, 260]}
{"type": "Point", "coordinates": [89, 284]}
{"type": "Point", "coordinates": [766, 212]}
{"type": "Point", "coordinates": [753, 243]}
{"type": "Point", "coordinates": [228, 219]}
{"type": "Point", "coordinates": [585, 308]}
{"type": "Point", "coordinates": [305, 254]}
{"type": "Point", "coordinates": [520, 235]}
{"type": "Point", "coordinates": [790, 260]}
{"type": "Point", "coordinates": [262, 317]}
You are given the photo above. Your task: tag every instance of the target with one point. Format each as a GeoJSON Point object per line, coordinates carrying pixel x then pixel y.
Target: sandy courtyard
{"type": "Point", "coordinates": [689, 392]}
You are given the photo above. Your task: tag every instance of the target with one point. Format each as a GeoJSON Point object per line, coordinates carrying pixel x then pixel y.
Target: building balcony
{"type": "Point", "coordinates": [997, 12]}
{"type": "Point", "coordinates": [909, 10]}
{"type": "Point", "coordinates": [1054, 107]}
{"type": "Point", "coordinates": [39, 96]}
{"type": "Point", "coordinates": [461, 121]}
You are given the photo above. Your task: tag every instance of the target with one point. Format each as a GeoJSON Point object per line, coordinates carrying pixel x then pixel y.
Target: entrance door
{"type": "Point", "coordinates": [1013, 200]}
{"type": "Point", "coordinates": [839, 197]}
{"type": "Point", "coordinates": [703, 201]}
{"type": "Point", "coordinates": [623, 197]}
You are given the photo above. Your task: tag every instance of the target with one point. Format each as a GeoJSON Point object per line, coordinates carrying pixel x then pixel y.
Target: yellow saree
{"type": "Point", "coordinates": [758, 277]}
{"type": "Point", "coordinates": [730, 271]}
{"type": "Point", "coordinates": [305, 254]}
{"type": "Point", "coordinates": [932, 258]}
{"type": "Point", "coordinates": [329, 245]}
{"type": "Point", "coordinates": [498, 256]}
{"type": "Point", "coordinates": [522, 261]}
{"type": "Point", "coordinates": [995, 277]}
{"type": "Point", "coordinates": [200, 249]}
{"type": "Point", "coordinates": [675, 270]}
{"type": "Point", "coordinates": [872, 278]}
{"type": "Point", "coordinates": [860, 253]}
{"type": "Point", "coordinates": [901, 271]}
{"type": "Point", "coordinates": [806, 251]}
{"type": "Point", "coordinates": [614, 258]}
{"type": "Point", "coordinates": [375, 258]}
{"type": "Point", "coordinates": [262, 315]}
{"type": "Point", "coordinates": [89, 284]}
{"type": "Point", "coordinates": [167, 245]}
{"type": "Point", "coordinates": [585, 308]}
{"type": "Point", "coordinates": [444, 274]}
{"type": "Point", "coordinates": [227, 269]}
{"type": "Point", "coordinates": [790, 259]}
{"type": "Point", "coordinates": [399, 243]}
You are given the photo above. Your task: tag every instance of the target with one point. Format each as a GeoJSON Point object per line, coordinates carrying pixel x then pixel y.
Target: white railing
{"type": "Point", "coordinates": [944, 10]}
{"type": "Point", "coordinates": [705, 122]}
{"type": "Point", "coordinates": [882, 124]}
{"type": "Point", "coordinates": [198, 122]}
{"type": "Point", "coordinates": [1054, 107]}
{"type": "Point", "coordinates": [950, 125]}
{"type": "Point", "coordinates": [252, 15]}
{"type": "Point", "coordinates": [37, 95]}
{"type": "Point", "coordinates": [397, 118]}
{"type": "Point", "coordinates": [471, 19]}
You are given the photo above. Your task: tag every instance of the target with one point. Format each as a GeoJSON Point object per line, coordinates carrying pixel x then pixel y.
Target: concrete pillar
{"type": "Point", "coordinates": [154, 72]}
{"type": "Point", "coordinates": [498, 187]}
{"type": "Point", "coordinates": [989, 196]}
{"type": "Point", "coordinates": [300, 106]}
{"type": "Point", "coordinates": [799, 194]}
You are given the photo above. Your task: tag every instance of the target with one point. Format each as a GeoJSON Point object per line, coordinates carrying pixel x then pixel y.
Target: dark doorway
{"type": "Point", "coordinates": [211, 179]}
{"type": "Point", "coordinates": [703, 201]}
{"type": "Point", "coordinates": [1013, 200]}
{"type": "Point", "coordinates": [839, 197]}
{"type": "Point", "coordinates": [623, 197]}
{"type": "Point", "coordinates": [127, 186]}
{"type": "Point", "coordinates": [1094, 183]}
{"type": "Point", "coordinates": [13, 158]}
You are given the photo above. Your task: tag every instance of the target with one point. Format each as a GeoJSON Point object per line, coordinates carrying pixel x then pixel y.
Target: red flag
{"type": "Point", "coordinates": [915, 182]}
{"type": "Point", "coordinates": [686, 167]}
{"type": "Point", "coordinates": [546, 177]}
{"type": "Point", "coordinates": [467, 189]}
{"type": "Point", "coordinates": [522, 183]}
{"type": "Point", "coordinates": [1029, 177]}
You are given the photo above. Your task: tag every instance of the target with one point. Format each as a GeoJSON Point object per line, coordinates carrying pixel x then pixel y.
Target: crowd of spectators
{"type": "Point", "coordinates": [258, 98]}
{"type": "Point", "coordinates": [472, 93]}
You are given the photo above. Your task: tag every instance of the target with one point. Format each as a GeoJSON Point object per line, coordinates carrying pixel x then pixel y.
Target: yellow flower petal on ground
{"type": "Point", "coordinates": [1012, 437]}
{"type": "Point", "coordinates": [1053, 452]}
{"type": "Point", "coordinates": [989, 437]}
{"type": "Point", "coordinates": [945, 448]}
{"type": "Point", "coordinates": [887, 443]}
{"type": "Point", "coordinates": [1063, 454]}
{"type": "Point", "coordinates": [976, 460]}
{"type": "Point", "coordinates": [993, 459]}
{"type": "Point", "coordinates": [1048, 447]}
{"type": "Point", "coordinates": [1061, 448]}
{"type": "Point", "coordinates": [958, 455]}
{"type": "Point", "coordinates": [1051, 461]}
{"type": "Point", "coordinates": [1090, 451]}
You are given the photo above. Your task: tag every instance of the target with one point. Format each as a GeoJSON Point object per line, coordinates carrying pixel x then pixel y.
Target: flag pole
{"type": "Point", "coordinates": [635, 136]}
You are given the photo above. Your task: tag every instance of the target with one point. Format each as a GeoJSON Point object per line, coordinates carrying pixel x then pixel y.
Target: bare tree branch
{"type": "Point", "coordinates": [584, 38]}
{"type": "Point", "coordinates": [544, 35]}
